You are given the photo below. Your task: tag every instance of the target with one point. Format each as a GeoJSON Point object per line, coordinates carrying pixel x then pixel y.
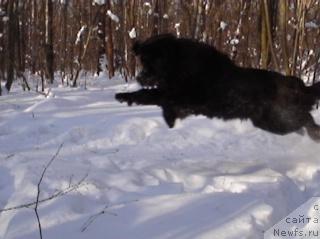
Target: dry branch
{"type": "Point", "coordinates": [63, 192]}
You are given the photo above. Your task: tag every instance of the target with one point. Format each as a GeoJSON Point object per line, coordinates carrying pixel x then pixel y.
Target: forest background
{"type": "Point", "coordinates": [41, 39]}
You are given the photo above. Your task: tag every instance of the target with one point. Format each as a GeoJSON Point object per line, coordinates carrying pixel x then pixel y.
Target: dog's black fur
{"type": "Point", "coordinates": [186, 77]}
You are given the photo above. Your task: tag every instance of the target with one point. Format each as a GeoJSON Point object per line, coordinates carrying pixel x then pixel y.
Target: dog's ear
{"type": "Point", "coordinates": [136, 48]}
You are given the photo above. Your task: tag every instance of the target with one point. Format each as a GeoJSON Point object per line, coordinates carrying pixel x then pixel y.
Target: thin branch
{"type": "Point", "coordinates": [104, 211]}
{"type": "Point", "coordinates": [94, 217]}
{"type": "Point", "coordinates": [38, 188]}
{"type": "Point", "coordinates": [45, 169]}
{"type": "Point", "coordinates": [65, 191]}
{"type": "Point", "coordinates": [39, 223]}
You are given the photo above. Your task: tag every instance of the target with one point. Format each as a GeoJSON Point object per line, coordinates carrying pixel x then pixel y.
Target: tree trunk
{"type": "Point", "coordinates": [130, 24]}
{"type": "Point", "coordinates": [33, 36]}
{"type": "Point", "coordinates": [121, 41]}
{"type": "Point", "coordinates": [65, 36]}
{"type": "Point", "coordinates": [2, 51]}
{"type": "Point", "coordinates": [283, 31]}
{"type": "Point", "coordinates": [268, 26]}
{"type": "Point", "coordinates": [20, 46]}
{"type": "Point", "coordinates": [156, 19]}
{"type": "Point", "coordinates": [11, 43]}
{"type": "Point", "coordinates": [101, 37]}
{"type": "Point", "coordinates": [110, 49]}
{"type": "Point", "coordinates": [264, 49]}
{"type": "Point", "coordinates": [49, 42]}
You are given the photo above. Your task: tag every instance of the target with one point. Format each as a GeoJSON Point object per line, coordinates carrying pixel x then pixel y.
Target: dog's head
{"type": "Point", "coordinates": [153, 55]}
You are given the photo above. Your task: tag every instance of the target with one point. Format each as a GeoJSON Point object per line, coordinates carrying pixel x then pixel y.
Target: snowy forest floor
{"type": "Point", "coordinates": [202, 179]}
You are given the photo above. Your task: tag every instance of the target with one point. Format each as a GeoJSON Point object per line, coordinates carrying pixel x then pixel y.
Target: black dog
{"type": "Point", "coordinates": [185, 78]}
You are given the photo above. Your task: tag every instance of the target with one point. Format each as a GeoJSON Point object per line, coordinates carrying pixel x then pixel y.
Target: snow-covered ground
{"type": "Point", "coordinates": [138, 179]}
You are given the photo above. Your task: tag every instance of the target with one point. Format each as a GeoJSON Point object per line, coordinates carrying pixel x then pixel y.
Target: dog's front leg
{"type": "Point", "coordinates": [141, 97]}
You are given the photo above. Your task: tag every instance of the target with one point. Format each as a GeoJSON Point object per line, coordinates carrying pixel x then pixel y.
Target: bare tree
{"type": "Point", "coordinates": [49, 41]}
{"type": "Point", "coordinates": [34, 39]}
{"type": "Point", "coordinates": [110, 47]}
{"type": "Point", "coordinates": [283, 6]}
{"type": "Point", "coordinates": [268, 26]}
{"type": "Point", "coordinates": [12, 13]}
{"type": "Point", "coordinates": [130, 22]}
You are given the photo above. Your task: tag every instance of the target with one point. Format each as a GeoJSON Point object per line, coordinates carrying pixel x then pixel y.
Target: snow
{"type": "Point", "coordinates": [202, 179]}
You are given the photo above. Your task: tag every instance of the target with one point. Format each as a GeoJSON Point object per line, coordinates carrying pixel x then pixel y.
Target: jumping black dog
{"type": "Point", "coordinates": [185, 77]}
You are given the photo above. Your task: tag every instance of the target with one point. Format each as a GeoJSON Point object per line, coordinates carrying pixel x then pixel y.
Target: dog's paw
{"type": "Point", "coordinates": [169, 116]}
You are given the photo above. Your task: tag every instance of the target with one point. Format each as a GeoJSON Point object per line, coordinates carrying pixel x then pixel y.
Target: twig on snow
{"type": "Point", "coordinates": [39, 190]}
{"type": "Point", "coordinates": [104, 211]}
{"type": "Point", "coordinates": [70, 188]}
{"type": "Point", "coordinates": [95, 216]}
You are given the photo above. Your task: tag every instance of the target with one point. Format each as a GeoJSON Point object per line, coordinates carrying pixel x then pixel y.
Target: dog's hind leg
{"type": "Point", "coordinates": [313, 129]}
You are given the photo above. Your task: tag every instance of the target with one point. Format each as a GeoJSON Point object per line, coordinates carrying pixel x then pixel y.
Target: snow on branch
{"type": "Point", "coordinates": [177, 27]}
{"type": "Point", "coordinates": [311, 25]}
{"type": "Point", "coordinates": [132, 33]}
{"type": "Point", "coordinates": [99, 2]}
{"type": "Point", "coordinates": [113, 17]}
{"type": "Point", "coordinates": [80, 34]}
